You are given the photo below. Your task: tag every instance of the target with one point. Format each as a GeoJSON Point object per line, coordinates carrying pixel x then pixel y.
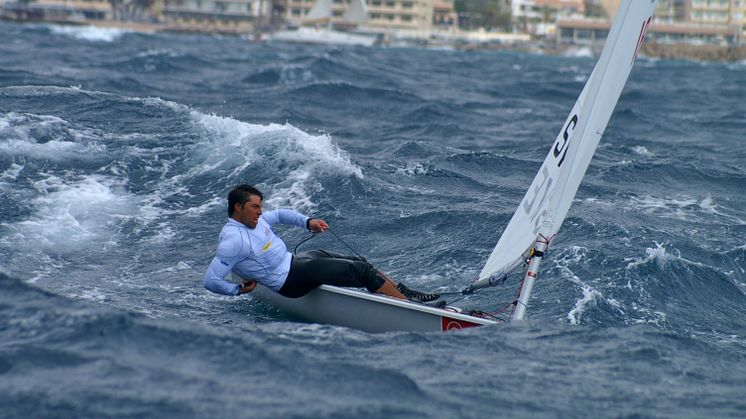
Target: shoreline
{"type": "Point", "coordinates": [674, 51]}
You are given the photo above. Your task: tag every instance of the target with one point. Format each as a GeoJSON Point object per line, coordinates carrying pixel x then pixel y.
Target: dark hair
{"type": "Point", "coordinates": [240, 194]}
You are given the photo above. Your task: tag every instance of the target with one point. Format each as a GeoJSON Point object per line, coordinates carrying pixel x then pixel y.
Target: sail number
{"type": "Point", "coordinates": [533, 204]}
{"type": "Point", "coordinates": [561, 148]}
{"type": "Point", "coordinates": [534, 208]}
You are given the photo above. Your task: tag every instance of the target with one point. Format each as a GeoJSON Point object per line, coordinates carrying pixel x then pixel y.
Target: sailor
{"type": "Point", "coordinates": [250, 249]}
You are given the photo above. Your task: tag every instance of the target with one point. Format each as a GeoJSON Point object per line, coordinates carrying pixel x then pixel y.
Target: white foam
{"type": "Point", "coordinates": [72, 215]}
{"type": "Point", "coordinates": [88, 33]}
{"type": "Point", "coordinates": [298, 157]}
{"type": "Point", "coordinates": [623, 162]}
{"type": "Point", "coordinates": [76, 211]}
{"type": "Point", "coordinates": [157, 52]}
{"type": "Point", "coordinates": [12, 172]}
{"type": "Point", "coordinates": [658, 254]}
{"type": "Point", "coordinates": [161, 233]}
{"type": "Point", "coordinates": [579, 52]}
{"type": "Point", "coordinates": [589, 298]}
{"type": "Point", "coordinates": [297, 74]}
{"type": "Point", "coordinates": [17, 131]}
{"type": "Point", "coordinates": [95, 295]}
{"type": "Point", "coordinates": [574, 255]}
{"type": "Point", "coordinates": [412, 170]}
{"type": "Point", "coordinates": [648, 316]}
{"type": "Point", "coordinates": [681, 208]}
{"type": "Point", "coordinates": [642, 151]}
{"type": "Point", "coordinates": [661, 257]}
{"type": "Point", "coordinates": [36, 91]}
{"type": "Point", "coordinates": [158, 102]}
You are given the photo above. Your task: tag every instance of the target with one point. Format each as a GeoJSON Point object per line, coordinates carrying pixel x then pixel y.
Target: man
{"type": "Point", "coordinates": [249, 248]}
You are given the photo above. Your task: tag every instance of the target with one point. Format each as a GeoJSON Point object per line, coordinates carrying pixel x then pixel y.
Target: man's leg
{"type": "Point", "coordinates": [389, 287]}
{"type": "Point", "coordinates": [314, 268]}
{"type": "Point", "coordinates": [330, 255]}
{"type": "Point", "coordinates": [409, 294]}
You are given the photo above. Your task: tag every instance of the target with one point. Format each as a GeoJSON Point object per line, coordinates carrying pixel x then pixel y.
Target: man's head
{"type": "Point", "coordinates": [245, 205]}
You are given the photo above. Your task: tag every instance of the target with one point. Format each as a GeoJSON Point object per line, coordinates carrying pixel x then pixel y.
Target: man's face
{"type": "Point", "coordinates": [248, 213]}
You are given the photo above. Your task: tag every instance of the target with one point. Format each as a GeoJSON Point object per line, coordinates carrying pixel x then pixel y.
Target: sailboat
{"type": "Point", "coordinates": [321, 12]}
{"type": "Point", "coordinates": [534, 224]}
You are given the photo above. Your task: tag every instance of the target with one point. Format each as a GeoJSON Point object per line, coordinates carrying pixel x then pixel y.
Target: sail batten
{"type": "Point", "coordinates": [553, 189]}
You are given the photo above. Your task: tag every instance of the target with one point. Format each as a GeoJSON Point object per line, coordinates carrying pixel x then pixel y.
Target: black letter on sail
{"type": "Point", "coordinates": [565, 136]}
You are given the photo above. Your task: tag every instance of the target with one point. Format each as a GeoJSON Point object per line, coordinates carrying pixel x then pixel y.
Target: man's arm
{"type": "Point", "coordinates": [294, 218]}
{"type": "Point", "coordinates": [215, 278]}
{"type": "Point", "coordinates": [231, 250]}
{"type": "Point", "coordinates": [285, 216]}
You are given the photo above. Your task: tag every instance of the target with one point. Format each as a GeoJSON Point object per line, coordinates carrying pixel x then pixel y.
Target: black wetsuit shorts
{"type": "Point", "coordinates": [309, 270]}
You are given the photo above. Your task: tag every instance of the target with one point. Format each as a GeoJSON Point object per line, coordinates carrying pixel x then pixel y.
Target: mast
{"type": "Point", "coordinates": [529, 279]}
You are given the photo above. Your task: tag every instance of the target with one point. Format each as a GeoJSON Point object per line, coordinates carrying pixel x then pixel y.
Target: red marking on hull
{"type": "Point", "coordinates": [453, 324]}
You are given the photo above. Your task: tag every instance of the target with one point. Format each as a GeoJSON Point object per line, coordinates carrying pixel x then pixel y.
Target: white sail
{"type": "Point", "coordinates": [321, 9]}
{"type": "Point", "coordinates": [357, 12]}
{"type": "Point", "coordinates": [554, 187]}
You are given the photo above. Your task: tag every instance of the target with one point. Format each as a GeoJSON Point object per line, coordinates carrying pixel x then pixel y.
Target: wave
{"type": "Point", "coordinates": [46, 137]}
{"type": "Point", "coordinates": [85, 216]}
{"type": "Point", "coordinates": [10, 77]}
{"type": "Point", "coordinates": [345, 93]}
{"type": "Point", "coordinates": [140, 178]}
{"type": "Point", "coordinates": [683, 208]}
{"type": "Point", "coordinates": [158, 61]}
{"type": "Point", "coordinates": [78, 348]}
{"type": "Point", "coordinates": [289, 159]}
{"type": "Point", "coordinates": [335, 66]}
{"type": "Point", "coordinates": [89, 33]}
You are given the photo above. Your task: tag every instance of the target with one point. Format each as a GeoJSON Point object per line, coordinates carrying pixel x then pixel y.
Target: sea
{"type": "Point", "coordinates": [118, 149]}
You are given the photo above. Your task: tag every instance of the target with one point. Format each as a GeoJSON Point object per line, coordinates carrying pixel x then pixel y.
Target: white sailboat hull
{"type": "Point", "coordinates": [372, 313]}
{"type": "Point", "coordinates": [325, 36]}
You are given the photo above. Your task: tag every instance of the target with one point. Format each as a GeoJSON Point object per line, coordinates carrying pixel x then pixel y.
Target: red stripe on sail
{"type": "Point", "coordinates": [641, 38]}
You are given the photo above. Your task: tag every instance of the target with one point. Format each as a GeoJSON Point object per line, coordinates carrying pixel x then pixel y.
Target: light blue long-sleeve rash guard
{"type": "Point", "coordinates": [252, 253]}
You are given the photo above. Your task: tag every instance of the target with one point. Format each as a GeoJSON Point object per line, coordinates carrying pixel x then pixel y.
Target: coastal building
{"type": "Point", "coordinates": [719, 22]}
{"type": "Point", "coordinates": [222, 16]}
{"type": "Point", "coordinates": [384, 15]}
{"type": "Point", "coordinates": [444, 15]}
{"type": "Point", "coordinates": [538, 17]}
{"type": "Point", "coordinates": [60, 11]}
{"type": "Point", "coordinates": [726, 12]}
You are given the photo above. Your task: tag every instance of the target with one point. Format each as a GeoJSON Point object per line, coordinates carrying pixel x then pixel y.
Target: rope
{"type": "Point", "coordinates": [295, 250]}
{"type": "Point", "coordinates": [345, 243]}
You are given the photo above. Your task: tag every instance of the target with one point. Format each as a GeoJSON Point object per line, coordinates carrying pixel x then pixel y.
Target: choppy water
{"type": "Point", "coordinates": [117, 150]}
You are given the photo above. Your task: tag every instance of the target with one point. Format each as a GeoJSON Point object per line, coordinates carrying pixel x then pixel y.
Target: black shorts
{"type": "Point", "coordinates": [308, 270]}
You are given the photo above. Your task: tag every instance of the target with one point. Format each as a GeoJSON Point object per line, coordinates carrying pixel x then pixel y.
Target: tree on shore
{"type": "Point", "coordinates": [488, 14]}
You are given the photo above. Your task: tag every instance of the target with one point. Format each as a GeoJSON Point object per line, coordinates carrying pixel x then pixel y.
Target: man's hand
{"type": "Point", "coordinates": [317, 225]}
{"type": "Point", "coordinates": [247, 286]}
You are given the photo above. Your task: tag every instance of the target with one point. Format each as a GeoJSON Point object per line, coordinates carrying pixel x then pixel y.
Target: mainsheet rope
{"type": "Point", "coordinates": [295, 251]}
